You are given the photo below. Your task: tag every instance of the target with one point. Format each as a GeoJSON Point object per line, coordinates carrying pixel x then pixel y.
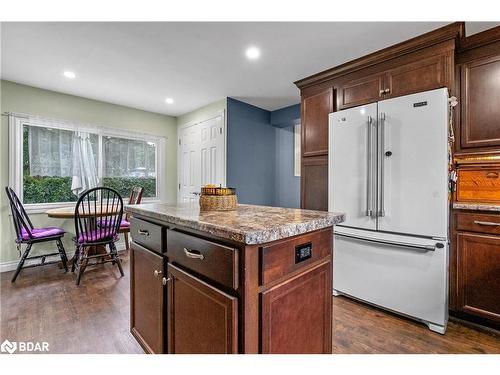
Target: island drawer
{"type": "Point", "coordinates": [212, 260]}
{"type": "Point", "coordinates": [284, 257]}
{"type": "Point", "coordinates": [147, 234]}
{"type": "Point", "coordinates": [482, 223]}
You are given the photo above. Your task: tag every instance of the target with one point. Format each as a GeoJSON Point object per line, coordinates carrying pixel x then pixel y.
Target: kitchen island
{"type": "Point", "coordinates": [252, 280]}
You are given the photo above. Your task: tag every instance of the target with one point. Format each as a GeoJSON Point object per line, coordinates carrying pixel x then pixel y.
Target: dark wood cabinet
{"type": "Point", "coordinates": [314, 183]}
{"type": "Point", "coordinates": [364, 90]}
{"type": "Point", "coordinates": [478, 275]}
{"type": "Point", "coordinates": [297, 311]}
{"type": "Point", "coordinates": [314, 124]}
{"type": "Point", "coordinates": [201, 319]}
{"type": "Point", "coordinates": [480, 109]}
{"type": "Point", "coordinates": [417, 76]}
{"type": "Point", "coordinates": [147, 298]}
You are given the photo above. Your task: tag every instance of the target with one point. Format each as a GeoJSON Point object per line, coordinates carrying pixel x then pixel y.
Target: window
{"type": "Point", "coordinates": [46, 159]}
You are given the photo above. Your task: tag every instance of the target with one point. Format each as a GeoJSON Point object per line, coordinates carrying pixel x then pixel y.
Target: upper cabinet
{"type": "Point", "coordinates": [480, 91]}
{"type": "Point", "coordinates": [315, 110]}
{"type": "Point", "coordinates": [478, 76]}
{"type": "Point", "coordinates": [417, 76]}
{"type": "Point", "coordinates": [366, 89]}
{"type": "Point", "coordinates": [411, 75]}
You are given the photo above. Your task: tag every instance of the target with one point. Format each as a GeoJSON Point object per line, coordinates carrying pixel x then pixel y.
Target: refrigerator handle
{"type": "Point", "coordinates": [381, 147]}
{"type": "Point", "coordinates": [369, 176]}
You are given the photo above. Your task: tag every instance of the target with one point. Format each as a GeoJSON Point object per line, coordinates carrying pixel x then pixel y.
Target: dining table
{"type": "Point", "coordinates": [68, 212]}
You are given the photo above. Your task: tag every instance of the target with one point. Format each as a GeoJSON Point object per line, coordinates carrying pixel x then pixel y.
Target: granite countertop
{"type": "Point", "coordinates": [246, 224]}
{"type": "Point", "coordinates": [476, 206]}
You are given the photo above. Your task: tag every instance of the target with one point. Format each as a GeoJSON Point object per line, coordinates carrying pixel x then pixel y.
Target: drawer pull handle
{"type": "Point", "coordinates": [194, 254]}
{"type": "Point", "coordinates": [487, 223]}
{"type": "Point", "coordinates": [492, 175]}
{"type": "Point", "coordinates": [164, 281]}
{"type": "Point", "coordinates": [143, 232]}
{"type": "Point", "coordinates": [157, 273]}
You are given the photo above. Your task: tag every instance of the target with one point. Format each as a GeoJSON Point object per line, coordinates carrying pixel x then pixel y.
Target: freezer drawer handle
{"type": "Point", "coordinates": [391, 243]}
{"type": "Point", "coordinates": [487, 223]}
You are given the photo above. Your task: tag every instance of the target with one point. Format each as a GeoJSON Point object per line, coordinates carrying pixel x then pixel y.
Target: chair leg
{"type": "Point", "coordinates": [127, 244]}
{"type": "Point", "coordinates": [21, 262]}
{"type": "Point", "coordinates": [62, 253]}
{"type": "Point", "coordinates": [82, 264]}
{"type": "Point", "coordinates": [75, 258]}
{"type": "Point", "coordinates": [114, 255]}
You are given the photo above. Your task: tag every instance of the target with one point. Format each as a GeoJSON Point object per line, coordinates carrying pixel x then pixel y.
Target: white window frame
{"type": "Point", "coordinates": [16, 123]}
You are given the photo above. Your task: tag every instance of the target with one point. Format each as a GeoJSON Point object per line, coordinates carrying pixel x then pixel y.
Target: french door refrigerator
{"type": "Point", "coordinates": [388, 171]}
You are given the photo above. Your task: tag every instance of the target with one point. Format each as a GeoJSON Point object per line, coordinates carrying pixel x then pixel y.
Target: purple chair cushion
{"type": "Point", "coordinates": [97, 236]}
{"type": "Point", "coordinates": [41, 233]}
{"type": "Point", "coordinates": [123, 224]}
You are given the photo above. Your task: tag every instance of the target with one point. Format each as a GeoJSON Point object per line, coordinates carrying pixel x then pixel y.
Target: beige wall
{"type": "Point", "coordinates": [202, 113]}
{"type": "Point", "coordinates": [25, 99]}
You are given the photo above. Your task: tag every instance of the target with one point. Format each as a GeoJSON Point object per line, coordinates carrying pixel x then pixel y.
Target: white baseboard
{"type": "Point", "coordinates": [11, 265]}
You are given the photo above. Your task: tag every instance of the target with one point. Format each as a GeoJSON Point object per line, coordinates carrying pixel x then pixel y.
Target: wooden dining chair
{"type": "Point", "coordinates": [98, 214]}
{"type": "Point", "coordinates": [135, 198]}
{"type": "Point", "coordinates": [27, 234]}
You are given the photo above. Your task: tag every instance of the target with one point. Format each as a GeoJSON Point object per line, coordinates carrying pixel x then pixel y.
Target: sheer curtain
{"type": "Point", "coordinates": [50, 151]}
{"type": "Point", "coordinates": [84, 170]}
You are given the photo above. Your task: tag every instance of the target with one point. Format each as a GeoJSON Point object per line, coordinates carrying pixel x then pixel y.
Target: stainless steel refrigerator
{"type": "Point", "coordinates": [388, 171]}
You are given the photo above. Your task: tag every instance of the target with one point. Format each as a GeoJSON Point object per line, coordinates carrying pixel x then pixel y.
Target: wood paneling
{"type": "Point", "coordinates": [480, 184]}
{"type": "Point", "coordinates": [298, 311]}
{"type": "Point", "coordinates": [201, 319]}
{"type": "Point", "coordinates": [480, 117]}
{"type": "Point", "coordinates": [147, 299]}
{"type": "Point", "coordinates": [314, 123]}
{"type": "Point", "coordinates": [314, 183]}
{"type": "Point", "coordinates": [278, 260]}
{"type": "Point", "coordinates": [479, 275]}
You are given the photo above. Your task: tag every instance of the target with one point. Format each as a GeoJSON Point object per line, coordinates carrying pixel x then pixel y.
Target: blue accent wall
{"type": "Point", "coordinates": [260, 154]}
{"type": "Point", "coordinates": [250, 153]}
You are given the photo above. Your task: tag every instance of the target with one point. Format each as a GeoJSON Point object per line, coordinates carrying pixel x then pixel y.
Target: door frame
{"type": "Point", "coordinates": [188, 124]}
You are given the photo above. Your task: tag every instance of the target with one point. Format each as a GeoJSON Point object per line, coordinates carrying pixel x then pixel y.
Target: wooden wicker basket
{"type": "Point", "coordinates": [218, 202]}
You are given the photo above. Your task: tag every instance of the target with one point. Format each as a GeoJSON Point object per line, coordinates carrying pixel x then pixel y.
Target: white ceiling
{"type": "Point", "coordinates": [140, 64]}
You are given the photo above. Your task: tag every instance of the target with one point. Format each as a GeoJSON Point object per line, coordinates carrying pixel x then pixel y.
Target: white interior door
{"type": "Point", "coordinates": [352, 165]}
{"type": "Point", "coordinates": [201, 157]}
{"type": "Point", "coordinates": [413, 170]}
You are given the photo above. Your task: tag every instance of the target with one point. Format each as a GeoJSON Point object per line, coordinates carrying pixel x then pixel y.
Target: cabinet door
{"type": "Point", "coordinates": [201, 318]}
{"type": "Point", "coordinates": [480, 117]}
{"type": "Point", "coordinates": [360, 91]}
{"type": "Point", "coordinates": [147, 298]}
{"type": "Point", "coordinates": [478, 275]}
{"type": "Point", "coordinates": [314, 181]}
{"type": "Point", "coordinates": [422, 75]}
{"type": "Point", "coordinates": [315, 110]}
{"type": "Point", "coordinates": [297, 315]}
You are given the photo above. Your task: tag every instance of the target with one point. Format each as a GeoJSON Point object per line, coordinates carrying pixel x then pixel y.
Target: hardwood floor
{"type": "Point", "coordinates": [45, 305]}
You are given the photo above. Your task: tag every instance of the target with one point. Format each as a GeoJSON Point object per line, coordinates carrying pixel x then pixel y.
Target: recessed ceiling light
{"type": "Point", "coordinates": [169, 101]}
{"type": "Point", "coordinates": [69, 74]}
{"type": "Point", "coordinates": [252, 53]}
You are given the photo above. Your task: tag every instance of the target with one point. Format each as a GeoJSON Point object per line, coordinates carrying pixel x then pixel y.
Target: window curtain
{"type": "Point", "coordinates": [84, 170]}
{"type": "Point", "coordinates": [50, 152]}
